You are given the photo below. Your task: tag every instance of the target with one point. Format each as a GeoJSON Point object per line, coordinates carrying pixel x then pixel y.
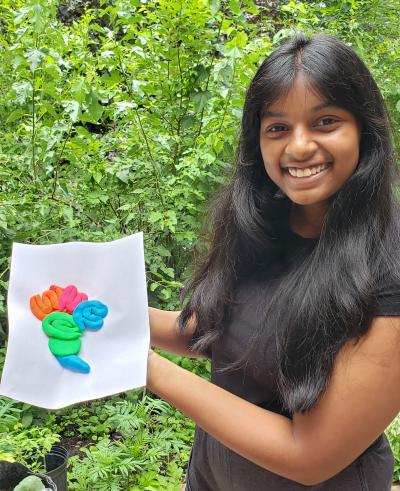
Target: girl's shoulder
{"type": "Point", "coordinates": [388, 285]}
{"type": "Point", "coordinates": [388, 296]}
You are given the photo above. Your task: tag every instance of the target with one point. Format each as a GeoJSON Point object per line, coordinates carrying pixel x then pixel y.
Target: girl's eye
{"type": "Point", "coordinates": [328, 119]}
{"type": "Point", "coordinates": [273, 127]}
{"type": "Point", "coordinates": [274, 130]}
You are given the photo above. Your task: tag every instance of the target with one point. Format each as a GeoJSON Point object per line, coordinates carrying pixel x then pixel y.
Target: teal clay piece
{"type": "Point", "coordinates": [74, 363]}
{"type": "Point", "coordinates": [64, 334]}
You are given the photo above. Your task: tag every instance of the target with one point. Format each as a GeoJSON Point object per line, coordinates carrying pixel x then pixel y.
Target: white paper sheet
{"type": "Point", "coordinates": [112, 272]}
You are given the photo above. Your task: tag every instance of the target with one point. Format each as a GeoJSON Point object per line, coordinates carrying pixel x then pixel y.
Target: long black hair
{"type": "Point", "coordinates": [329, 297]}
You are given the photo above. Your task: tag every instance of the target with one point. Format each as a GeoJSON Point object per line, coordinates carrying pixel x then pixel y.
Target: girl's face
{"type": "Point", "coordinates": [309, 151]}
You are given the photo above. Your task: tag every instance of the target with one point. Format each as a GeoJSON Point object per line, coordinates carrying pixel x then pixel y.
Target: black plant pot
{"type": "Point", "coordinates": [56, 462]}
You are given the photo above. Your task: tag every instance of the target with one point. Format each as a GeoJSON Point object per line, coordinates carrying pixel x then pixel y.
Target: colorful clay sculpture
{"type": "Point", "coordinates": [65, 313]}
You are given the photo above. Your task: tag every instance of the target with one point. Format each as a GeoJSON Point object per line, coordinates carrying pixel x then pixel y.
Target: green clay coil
{"type": "Point", "coordinates": [61, 326]}
{"type": "Point", "coordinates": [64, 347]}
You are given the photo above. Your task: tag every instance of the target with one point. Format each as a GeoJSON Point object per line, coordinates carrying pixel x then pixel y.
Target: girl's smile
{"type": "Point", "coordinates": [304, 177]}
{"type": "Point", "coordinates": [310, 147]}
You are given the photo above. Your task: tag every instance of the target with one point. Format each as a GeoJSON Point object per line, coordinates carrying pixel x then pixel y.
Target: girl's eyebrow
{"type": "Point", "coordinates": [266, 114]}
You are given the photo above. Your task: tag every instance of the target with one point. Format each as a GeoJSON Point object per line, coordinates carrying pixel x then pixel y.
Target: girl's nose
{"type": "Point", "coordinates": [301, 145]}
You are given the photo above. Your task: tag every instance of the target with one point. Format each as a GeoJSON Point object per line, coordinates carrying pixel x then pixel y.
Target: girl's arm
{"type": "Point", "coordinates": [165, 335]}
{"type": "Point", "coordinates": [360, 402]}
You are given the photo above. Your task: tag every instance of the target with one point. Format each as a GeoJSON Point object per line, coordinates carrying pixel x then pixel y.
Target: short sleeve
{"type": "Point", "coordinates": [388, 298]}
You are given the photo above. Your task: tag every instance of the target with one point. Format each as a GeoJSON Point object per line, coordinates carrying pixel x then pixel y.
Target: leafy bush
{"type": "Point", "coordinates": [124, 121]}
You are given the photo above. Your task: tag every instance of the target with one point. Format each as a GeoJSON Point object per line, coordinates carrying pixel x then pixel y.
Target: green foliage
{"type": "Point", "coordinates": [27, 446]}
{"type": "Point", "coordinates": [393, 434]}
{"type": "Point", "coordinates": [9, 414]}
{"type": "Point", "coordinates": [147, 442]}
{"type": "Point", "coordinates": [124, 121]}
{"type": "Point", "coordinates": [127, 120]}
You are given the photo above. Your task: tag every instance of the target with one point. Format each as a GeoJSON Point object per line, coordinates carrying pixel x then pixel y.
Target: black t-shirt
{"type": "Point", "coordinates": [214, 467]}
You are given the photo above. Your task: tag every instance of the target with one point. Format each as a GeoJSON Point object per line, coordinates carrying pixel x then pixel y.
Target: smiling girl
{"type": "Point", "coordinates": [297, 301]}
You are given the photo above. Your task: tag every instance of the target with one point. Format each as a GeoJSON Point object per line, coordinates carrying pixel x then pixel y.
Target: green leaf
{"type": "Point", "coordinates": [224, 72]}
{"type": "Point", "coordinates": [38, 17]}
{"type": "Point", "coordinates": [22, 90]}
{"type": "Point", "coordinates": [14, 115]}
{"type": "Point", "coordinates": [235, 6]}
{"type": "Point", "coordinates": [188, 122]}
{"type": "Point", "coordinates": [27, 419]}
{"type": "Point", "coordinates": [130, 217]}
{"type": "Point", "coordinates": [34, 56]}
{"type": "Point", "coordinates": [3, 221]}
{"type": "Point", "coordinates": [136, 86]}
{"type": "Point", "coordinates": [122, 107]}
{"type": "Point", "coordinates": [80, 90]}
{"type": "Point", "coordinates": [166, 293]}
{"type": "Point", "coordinates": [72, 109]}
{"type": "Point", "coordinates": [169, 271]}
{"type": "Point", "coordinates": [123, 175]}
{"type": "Point", "coordinates": [139, 51]}
{"type": "Point", "coordinates": [241, 39]}
{"type": "Point", "coordinates": [215, 7]}
{"type": "Point", "coordinates": [47, 107]}
{"type": "Point", "coordinates": [94, 109]}
{"type": "Point", "coordinates": [155, 216]}
{"type": "Point", "coordinates": [200, 99]}
{"type": "Point", "coordinates": [234, 52]}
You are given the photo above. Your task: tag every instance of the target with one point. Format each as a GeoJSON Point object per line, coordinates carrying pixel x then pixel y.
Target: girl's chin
{"type": "Point", "coordinates": [311, 201]}
{"type": "Point", "coordinates": [306, 200]}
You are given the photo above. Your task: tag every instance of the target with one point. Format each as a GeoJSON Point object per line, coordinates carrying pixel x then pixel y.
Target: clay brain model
{"type": "Point", "coordinates": [65, 313]}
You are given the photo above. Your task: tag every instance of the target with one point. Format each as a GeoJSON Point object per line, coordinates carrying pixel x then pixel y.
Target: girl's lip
{"type": "Point", "coordinates": [304, 182]}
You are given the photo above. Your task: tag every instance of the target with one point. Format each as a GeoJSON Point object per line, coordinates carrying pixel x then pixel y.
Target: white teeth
{"type": "Point", "coordinates": [309, 171]}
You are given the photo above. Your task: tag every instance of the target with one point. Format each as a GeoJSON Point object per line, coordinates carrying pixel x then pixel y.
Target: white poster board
{"type": "Point", "coordinates": [111, 272]}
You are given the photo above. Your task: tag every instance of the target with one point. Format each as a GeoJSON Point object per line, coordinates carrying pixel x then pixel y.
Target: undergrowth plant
{"type": "Point", "coordinates": [27, 445]}
{"type": "Point", "coordinates": [149, 443]}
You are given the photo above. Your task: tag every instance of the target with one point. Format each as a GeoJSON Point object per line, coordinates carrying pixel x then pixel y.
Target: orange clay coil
{"type": "Point", "coordinates": [45, 304]}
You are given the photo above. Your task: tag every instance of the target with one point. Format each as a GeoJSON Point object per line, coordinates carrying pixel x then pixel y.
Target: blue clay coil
{"type": "Point", "coordinates": [90, 314]}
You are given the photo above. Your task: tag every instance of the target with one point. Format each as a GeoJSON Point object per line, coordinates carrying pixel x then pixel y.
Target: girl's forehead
{"type": "Point", "coordinates": [300, 93]}
{"type": "Point", "coordinates": [280, 110]}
